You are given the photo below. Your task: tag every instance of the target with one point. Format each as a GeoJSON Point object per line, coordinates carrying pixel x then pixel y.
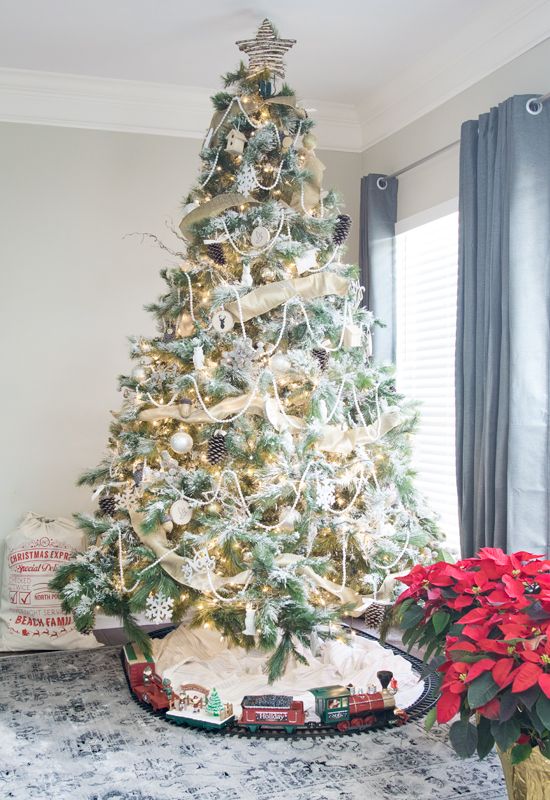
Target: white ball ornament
{"type": "Point", "coordinates": [139, 374]}
{"type": "Point", "coordinates": [309, 141]}
{"type": "Point", "coordinates": [288, 519]}
{"type": "Point", "coordinates": [280, 363]}
{"type": "Point", "coordinates": [181, 442]}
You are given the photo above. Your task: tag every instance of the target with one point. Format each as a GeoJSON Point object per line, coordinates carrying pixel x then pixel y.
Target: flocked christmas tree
{"type": "Point", "coordinates": [257, 478]}
{"type": "Point", "coordinates": [214, 705]}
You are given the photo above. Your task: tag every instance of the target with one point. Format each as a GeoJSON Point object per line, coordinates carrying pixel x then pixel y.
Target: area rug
{"type": "Point", "coordinates": [70, 731]}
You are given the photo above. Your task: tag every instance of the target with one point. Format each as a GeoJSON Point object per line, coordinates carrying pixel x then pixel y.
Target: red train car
{"type": "Point", "coordinates": [153, 691]}
{"type": "Point", "coordinates": [135, 661]}
{"type": "Point", "coordinates": [272, 711]}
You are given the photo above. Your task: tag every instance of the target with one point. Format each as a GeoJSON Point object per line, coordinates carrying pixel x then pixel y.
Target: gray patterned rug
{"type": "Point", "coordinates": [69, 731]}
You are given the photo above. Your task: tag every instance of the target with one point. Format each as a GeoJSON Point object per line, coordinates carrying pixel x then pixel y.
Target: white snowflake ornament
{"type": "Point", "coordinates": [245, 182]}
{"type": "Point", "coordinates": [159, 608]}
{"type": "Point", "coordinates": [325, 494]}
{"type": "Point", "coordinates": [127, 499]}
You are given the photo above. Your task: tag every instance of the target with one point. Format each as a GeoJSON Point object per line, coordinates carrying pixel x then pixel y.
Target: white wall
{"type": "Point", "coordinates": [72, 289]}
{"type": "Point", "coordinates": [437, 181]}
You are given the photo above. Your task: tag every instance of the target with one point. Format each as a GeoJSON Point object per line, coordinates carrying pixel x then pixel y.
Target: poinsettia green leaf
{"type": "Point", "coordinates": [428, 668]}
{"type": "Point", "coordinates": [520, 752]}
{"type": "Point", "coordinates": [508, 706]}
{"type": "Point", "coordinates": [485, 739]}
{"type": "Point", "coordinates": [543, 710]}
{"type": "Point", "coordinates": [482, 690]}
{"type": "Point", "coordinates": [529, 696]}
{"type": "Point", "coordinates": [463, 736]}
{"type": "Point", "coordinates": [505, 733]}
{"type": "Point", "coordinates": [429, 719]}
{"type": "Point", "coordinates": [536, 721]}
{"type": "Point", "coordinates": [440, 621]}
{"type": "Point", "coordinates": [412, 616]}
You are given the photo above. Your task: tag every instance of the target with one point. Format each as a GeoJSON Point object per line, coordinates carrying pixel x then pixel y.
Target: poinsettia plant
{"type": "Point", "coordinates": [484, 624]}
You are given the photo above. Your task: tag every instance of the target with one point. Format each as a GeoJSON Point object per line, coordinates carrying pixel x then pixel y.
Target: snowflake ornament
{"type": "Point", "coordinates": [127, 499]}
{"type": "Point", "coordinates": [159, 608]}
{"type": "Point", "coordinates": [245, 182]}
{"type": "Point", "coordinates": [325, 494]}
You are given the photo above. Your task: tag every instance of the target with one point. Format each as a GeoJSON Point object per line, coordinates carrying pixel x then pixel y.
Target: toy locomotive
{"type": "Point", "coordinates": [335, 707]}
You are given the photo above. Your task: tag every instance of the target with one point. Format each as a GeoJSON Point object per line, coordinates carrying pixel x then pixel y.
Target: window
{"type": "Point", "coordinates": [427, 260]}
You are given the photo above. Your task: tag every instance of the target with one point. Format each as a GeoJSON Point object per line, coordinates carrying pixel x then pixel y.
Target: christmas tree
{"type": "Point", "coordinates": [214, 705]}
{"type": "Point", "coordinates": [258, 474]}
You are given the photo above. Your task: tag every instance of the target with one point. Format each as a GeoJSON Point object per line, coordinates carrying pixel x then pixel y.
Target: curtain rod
{"type": "Point", "coordinates": [534, 106]}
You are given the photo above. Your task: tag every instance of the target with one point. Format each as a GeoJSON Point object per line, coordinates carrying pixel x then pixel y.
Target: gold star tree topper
{"type": "Point", "coordinates": [266, 51]}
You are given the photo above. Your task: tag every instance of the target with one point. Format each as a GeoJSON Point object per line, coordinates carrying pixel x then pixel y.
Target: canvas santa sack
{"type": "Point", "coordinates": [31, 617]}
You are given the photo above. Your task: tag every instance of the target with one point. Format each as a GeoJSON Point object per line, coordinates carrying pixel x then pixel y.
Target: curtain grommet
{"type": "Point", "coordinates": [533, 106]}
{"type": "Point", "coordinates": [382, 183]}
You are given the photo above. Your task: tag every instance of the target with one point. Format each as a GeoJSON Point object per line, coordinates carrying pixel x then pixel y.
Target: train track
{"type": "Point", "coordinates": [415, 711]}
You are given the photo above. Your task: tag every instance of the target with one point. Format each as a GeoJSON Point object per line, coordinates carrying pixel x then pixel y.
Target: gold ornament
{"type": "Point", "coordinates": [185, 326]}
{"type": "Point", "coordinates": [266, 51]}
{"type": "Point", "coordinates": [287, 142]}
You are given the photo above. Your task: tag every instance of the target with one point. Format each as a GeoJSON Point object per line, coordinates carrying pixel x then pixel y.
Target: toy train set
{"type": "Point", "coordinates": [339, 709]}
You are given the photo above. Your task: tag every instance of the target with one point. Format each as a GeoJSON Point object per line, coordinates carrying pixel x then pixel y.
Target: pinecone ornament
{"type": "Point", "coordinates": [322, 356]}
{"type": "Point", "coordinates": [215, 252]}
{"type": "Point", "coordinates": [374, 615]}
{"type": "Point", "coordinates": [341, 229]}
{"type": "Point", "coordinates": [107, 505]}
{"type": "Point", "coordinates": [217, 448]}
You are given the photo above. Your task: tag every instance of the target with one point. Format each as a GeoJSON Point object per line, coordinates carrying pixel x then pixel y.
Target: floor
{"type": "Point", "coordinates": [69, 730]}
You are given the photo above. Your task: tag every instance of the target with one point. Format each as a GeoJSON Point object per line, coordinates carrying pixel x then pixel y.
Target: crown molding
{"type": "Point", "coordinates": [78, 101]}
{"type": "Point", "coordinates": [452, 67]}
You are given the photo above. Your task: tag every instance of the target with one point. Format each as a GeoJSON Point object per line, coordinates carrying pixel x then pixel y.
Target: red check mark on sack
{"type": "Point", "coordinates": [24, 598]}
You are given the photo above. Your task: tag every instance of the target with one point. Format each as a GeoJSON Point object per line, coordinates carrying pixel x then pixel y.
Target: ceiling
{"type": "Point", "coordinates": [354, 59]}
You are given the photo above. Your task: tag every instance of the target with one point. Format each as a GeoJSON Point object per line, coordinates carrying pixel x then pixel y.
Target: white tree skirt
{"type": "Point", "coordinates": [199, 656]}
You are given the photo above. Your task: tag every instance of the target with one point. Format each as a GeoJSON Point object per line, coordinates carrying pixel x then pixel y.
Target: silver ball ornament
{"type": "Point", "coordinates": [181, 442]}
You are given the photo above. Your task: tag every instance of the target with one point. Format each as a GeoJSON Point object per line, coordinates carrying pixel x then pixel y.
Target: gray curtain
{"type": "Point", "coordinates": [503, 330]}
{"type": "Point", "coordinates": [377, 258]}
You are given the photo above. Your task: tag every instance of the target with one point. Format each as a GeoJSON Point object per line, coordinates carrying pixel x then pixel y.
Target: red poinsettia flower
{"type": "Point", "coordinates": [497, 606]}
{"type": "Point", "coordinates": [453, 686]}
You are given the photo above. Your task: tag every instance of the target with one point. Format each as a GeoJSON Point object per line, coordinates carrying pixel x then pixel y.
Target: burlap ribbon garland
{"type": "Point", "coordinates": [174, 565]}
{"type": "Point", "coordinates": [261, 300]}
{"type": "Point", "coordinates": [333, 438]}
{"type": "Point", "coordinates": [212, 208]}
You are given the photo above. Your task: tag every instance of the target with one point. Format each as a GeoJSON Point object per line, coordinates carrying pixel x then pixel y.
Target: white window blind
{"type": "Point", "coordinates": [426, 318]}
